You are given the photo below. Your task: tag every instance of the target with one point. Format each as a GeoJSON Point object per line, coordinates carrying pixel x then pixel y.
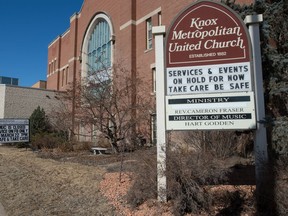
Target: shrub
{"type": "Point", "coordinates": [280, 136]}
{"type": "Point", "coordinates": [145, 184]}
{"type": "Point", "coordinates": [39, 122]}
{"type": "Point", "coordinates": [281, 190]}
{"type": "Point", "coordinates": [22, 145]}
{"type": "Point", "coordinates": [49, 141]}
{"type": "Point", "coordinates": [81, 146]}
{"type": "Point", "coordinates": [43, 136]}
{"type": "Point", "coordinates": [187, 173]}
{"type": "Point", "coordinates": [221, 144]}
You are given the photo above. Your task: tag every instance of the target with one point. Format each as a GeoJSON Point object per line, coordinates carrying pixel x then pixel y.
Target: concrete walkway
{"type": "Point", "coordinates": [2, 211]}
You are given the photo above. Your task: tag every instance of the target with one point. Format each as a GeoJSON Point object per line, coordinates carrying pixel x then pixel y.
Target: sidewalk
{"type": "Point", "coordinates": [2, 211]}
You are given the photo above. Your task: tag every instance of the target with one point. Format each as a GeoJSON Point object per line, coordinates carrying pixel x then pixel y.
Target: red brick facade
{"type": "Point", "coordinates": [128, 19]}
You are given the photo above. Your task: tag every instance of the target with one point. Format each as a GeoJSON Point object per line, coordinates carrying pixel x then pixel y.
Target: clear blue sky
{"type": "Point", "coordinates": [27, 27]}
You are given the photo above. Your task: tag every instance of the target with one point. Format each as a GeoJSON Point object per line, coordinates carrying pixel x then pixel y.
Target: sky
{"type": "Point", "coordinates": [27, 27]}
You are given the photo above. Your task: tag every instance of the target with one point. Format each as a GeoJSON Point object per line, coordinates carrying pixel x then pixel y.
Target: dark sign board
{"type": "Point", "coordinates": [207, 33]}
{"type": "Point", "coordinates": [14, 130]}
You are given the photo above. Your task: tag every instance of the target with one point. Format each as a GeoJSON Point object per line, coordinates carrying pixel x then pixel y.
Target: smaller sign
{"type": "Point", "coordinates": [211, 112]}
{"type": "Point", "coordinates": [14, 130]}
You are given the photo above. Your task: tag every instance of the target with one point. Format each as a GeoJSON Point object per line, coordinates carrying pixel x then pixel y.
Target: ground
{"type": "Point", "coordinates": [30, 185]}
{"type": "Point", "coordinates": [78, 183]}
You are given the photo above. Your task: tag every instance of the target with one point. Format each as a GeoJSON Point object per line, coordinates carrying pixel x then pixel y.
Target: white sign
{"type": "Point", "coordinates": [14, 130]}
{"type": "Point", "coordinates": [234, 77]}
{"type": "Point", "coordinates": [211, 111]}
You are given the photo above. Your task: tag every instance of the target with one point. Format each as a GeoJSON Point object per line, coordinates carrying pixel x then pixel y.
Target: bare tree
{"type": "Point", "coordinates": [104, 99]}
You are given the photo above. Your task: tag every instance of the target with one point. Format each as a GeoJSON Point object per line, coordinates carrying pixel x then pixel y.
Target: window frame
{"type": "Point", "coordinates": [84, 54]}
{"type": "Point", "coordinates": [149, 35]}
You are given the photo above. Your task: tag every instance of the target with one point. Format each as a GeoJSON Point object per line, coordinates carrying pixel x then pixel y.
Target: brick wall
{"type": "Point", "coordinates": [20, 102]}
{"type": "Point", "coordinates": [129, 25]}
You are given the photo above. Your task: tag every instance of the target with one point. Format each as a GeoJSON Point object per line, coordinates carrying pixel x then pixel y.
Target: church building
{"type": "Point", "coordinates": [116, 32]}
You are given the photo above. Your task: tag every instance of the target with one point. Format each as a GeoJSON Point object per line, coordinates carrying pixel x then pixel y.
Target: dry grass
{"type": "Point", "coordinates": [33, 186]}
{"type": "Point", "coordinates": [80, 183]}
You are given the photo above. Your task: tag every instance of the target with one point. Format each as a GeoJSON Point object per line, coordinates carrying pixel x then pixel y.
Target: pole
{"type": "Point", "coordinates": [159, 32]}
{"type": "Point", "coordinates": [260, 144]}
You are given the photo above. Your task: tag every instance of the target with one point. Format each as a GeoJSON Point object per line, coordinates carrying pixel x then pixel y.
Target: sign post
{"type": "Point", "coordinates": [159, 32]}
{"type": "Point", "coordinates": [260, 144]}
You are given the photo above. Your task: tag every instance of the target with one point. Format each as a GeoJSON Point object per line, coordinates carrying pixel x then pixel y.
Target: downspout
{"type": "Point", "coordinates": [74, 79]}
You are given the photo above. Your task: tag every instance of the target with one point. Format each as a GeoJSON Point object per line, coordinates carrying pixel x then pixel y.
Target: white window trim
{"type": "Point", "coordinates": [84, 67]}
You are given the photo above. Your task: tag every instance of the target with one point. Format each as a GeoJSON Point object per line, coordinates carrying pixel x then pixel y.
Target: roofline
{"type": "Point", "coordinates": [74, 15]}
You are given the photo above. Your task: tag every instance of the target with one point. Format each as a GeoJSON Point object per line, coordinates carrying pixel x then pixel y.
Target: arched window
{"type": "Point", "coordinates": [97, 48]}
